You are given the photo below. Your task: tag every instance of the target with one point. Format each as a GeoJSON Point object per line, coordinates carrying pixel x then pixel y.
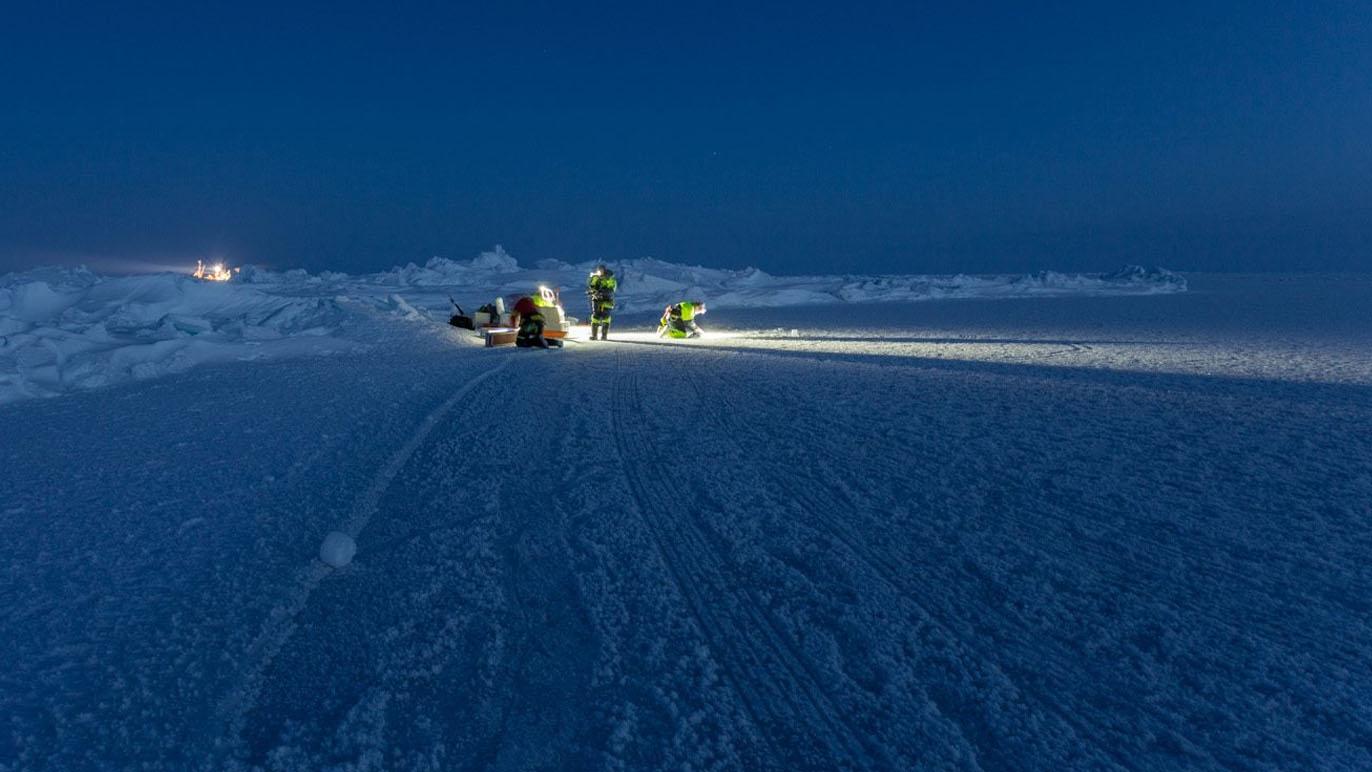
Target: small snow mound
{"type": "Point", "coordinates": [401, 308]}
{"type": "Point", "coordinates": [338, 549]}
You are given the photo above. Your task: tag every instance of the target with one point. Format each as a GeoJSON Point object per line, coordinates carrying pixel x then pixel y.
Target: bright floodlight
{"type": "Point", "coordinates": [215, 272]}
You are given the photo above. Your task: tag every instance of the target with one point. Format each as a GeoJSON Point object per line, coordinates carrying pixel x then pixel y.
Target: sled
{"type": "Point", "coordinates": [495, 324]}
{"type": "Point", "coordinates": [460, 319]}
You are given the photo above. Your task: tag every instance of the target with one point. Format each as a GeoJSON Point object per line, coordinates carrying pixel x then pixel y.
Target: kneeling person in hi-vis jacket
{"type": "Point", "coordinates": [530, 322]}
{"type": "Point", "coordinates": [679, 320]}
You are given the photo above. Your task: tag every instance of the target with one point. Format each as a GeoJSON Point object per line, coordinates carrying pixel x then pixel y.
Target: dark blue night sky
{"type": "Point", "coordinates": [843, 137]}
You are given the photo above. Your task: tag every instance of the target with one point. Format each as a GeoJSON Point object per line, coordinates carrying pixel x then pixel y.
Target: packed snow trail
{"type": "Point", "coordinates": [1050, 534]}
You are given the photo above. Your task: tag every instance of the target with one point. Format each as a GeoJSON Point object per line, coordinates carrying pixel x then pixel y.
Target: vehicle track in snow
{"type": "Point", "coordinates": [548, 644]}
{"type": "Point", "coordinates": [822, 508]}
{"type": "Point", "coordinates": [755, 652]}
{"type": "Point", "coordinates": [1036, 665]}
{"type": "Point", "coordinates": [661, 699]}
{"type": "Point", "coordinates": [231, 713]}
{"type": "Point", "coordinates": [457, 635]}
{"type": "Point", "coordinates": [831, 493]}
{"type": "Point", "coordinates": [835, 488]}
{"type": "Point", "coordinates": [415, 647]}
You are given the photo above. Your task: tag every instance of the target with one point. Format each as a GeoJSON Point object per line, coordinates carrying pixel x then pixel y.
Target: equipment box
{"type": "Point", "coordinates": [499, 336]}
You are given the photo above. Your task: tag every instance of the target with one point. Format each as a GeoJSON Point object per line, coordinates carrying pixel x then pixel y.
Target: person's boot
{"type": "Point", "coordinates": [595, 330]}
{"type": "Point", "coordinates": [605, 331]}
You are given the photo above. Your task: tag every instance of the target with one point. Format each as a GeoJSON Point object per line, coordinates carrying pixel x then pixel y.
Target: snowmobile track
{"type": "Point", "coordinates": [729, 635]}
{"type": "Point", "coordinates": [669, 560]}
{"type": "Point", "coordinates": [833, 488]}
{"type": "Point", "coordinates": [232, 711]}
{"type": "Point", "coordinates": [833, 494]}
{"type": "Point", "coordinates": [807, 497]}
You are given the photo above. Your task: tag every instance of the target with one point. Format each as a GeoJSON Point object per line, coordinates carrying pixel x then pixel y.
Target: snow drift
{"type": "Point", "coordinates": [64, 329]}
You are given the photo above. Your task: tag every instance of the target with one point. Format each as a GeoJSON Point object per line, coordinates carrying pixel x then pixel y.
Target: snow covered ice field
{"type": "Point", "coordinates": [1060, 532]}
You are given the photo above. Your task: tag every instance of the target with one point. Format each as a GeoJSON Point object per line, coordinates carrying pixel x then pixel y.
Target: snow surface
{"type": "Point", "coordinates": [63, 330]}
{"type": "Point", "coordinates": [1048, 533]}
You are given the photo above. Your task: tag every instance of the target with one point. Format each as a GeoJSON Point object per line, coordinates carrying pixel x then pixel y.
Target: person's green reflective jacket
{"type": "Point", "coordinates": [602, 285]}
